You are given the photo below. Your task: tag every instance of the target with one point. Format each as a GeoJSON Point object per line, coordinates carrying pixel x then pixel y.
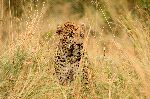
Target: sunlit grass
{"type": "Point", "coordinates": [119, 56]}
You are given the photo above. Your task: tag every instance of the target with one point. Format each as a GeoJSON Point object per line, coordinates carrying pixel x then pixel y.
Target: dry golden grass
{"type": "Point", "coordinates": [119, 63]}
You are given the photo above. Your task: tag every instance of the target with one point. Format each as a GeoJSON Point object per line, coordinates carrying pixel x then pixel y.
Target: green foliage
{"type": "Point", "coordinates": [19, 57]}
{"type": "Point", "coordinates": [117, 79]}
{"type": "Point", "coordinates": [47, 35]}
{"type": "Point", "coordinates": [78, 8]}
{"type": "Point", "coordinates": [145, 3]}
{"type": "Point", "coordinates": [10, 70]}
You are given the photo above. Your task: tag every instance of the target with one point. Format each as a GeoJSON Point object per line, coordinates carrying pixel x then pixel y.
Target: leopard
{"type": "Point", "coordinates": [70, 53]}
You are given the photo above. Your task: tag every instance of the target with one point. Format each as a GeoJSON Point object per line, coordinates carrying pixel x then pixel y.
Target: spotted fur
{"type": "Point", "coordinates": [69, 52]}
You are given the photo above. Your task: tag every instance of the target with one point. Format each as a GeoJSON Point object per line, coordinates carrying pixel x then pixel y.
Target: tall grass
{"type": "Point", "coordinates": [118, 51]}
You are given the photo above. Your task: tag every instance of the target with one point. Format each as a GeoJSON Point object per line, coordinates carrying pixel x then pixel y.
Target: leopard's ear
{"type": "Point", "coordinates": [82, 25]}
{"type": "Point", "coordinates": [59, 29]}
{"type": "Point", "coordinates": [82, 33]}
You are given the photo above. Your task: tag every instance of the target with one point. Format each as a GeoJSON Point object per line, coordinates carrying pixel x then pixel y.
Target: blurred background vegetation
{"type": "Point", "coordinates": [15, 9]}
{"type": "Point", "coordinates": [17, 6]}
